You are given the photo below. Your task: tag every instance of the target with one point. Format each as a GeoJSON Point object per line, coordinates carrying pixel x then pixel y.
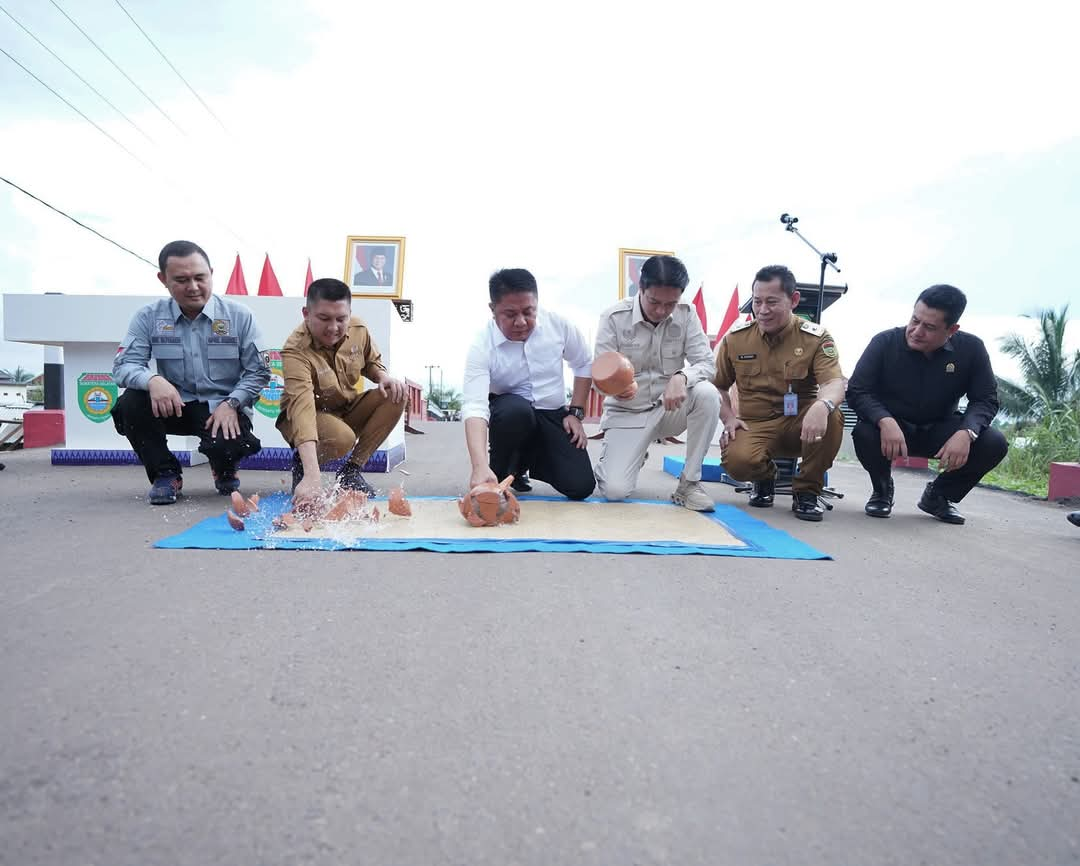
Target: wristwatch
{"type": "Point", "coordinates": [232, 401]}
{"type": "Point", "coordinates": [972, 434]}
{"type": "Point", "coordinates": [829, 404]}
{"type": "Point", "coordinates": [577, 412]}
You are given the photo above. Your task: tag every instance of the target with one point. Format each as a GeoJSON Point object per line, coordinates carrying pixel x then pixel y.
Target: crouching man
{"type": "Point", "coordinates": [322, 415]}
{"type": "Point", "coordinates": [210, 370]}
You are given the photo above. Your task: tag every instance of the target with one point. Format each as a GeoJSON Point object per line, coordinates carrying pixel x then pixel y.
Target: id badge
{"type": "Point", "coordinates": [791, 404]}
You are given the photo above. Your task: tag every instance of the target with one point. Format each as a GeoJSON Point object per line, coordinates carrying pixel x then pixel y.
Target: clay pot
{"type": "Point", "coordinates": [613, 375]}
{"type": "Point", "coordinates": [490, 504]}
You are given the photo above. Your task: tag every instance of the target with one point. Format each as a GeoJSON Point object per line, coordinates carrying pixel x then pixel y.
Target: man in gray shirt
{"type": "Point", "coordinates": [210, 370]}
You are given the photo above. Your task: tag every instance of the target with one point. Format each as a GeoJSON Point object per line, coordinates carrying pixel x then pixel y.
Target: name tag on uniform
{"type": "Point", "coordinates": [749, 357]}
{"type": "Point", "coordinates": [791, 404]}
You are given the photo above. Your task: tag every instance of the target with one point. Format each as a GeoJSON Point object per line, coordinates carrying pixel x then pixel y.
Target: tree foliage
{"type": "Point", "coordinates": [1051, 377]}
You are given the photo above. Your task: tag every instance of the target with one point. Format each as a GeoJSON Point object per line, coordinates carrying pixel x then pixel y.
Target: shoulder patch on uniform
{"type": "Point", "coordinates": [812, 328]}
{"type": "Point", "coordinates": [742, 326]}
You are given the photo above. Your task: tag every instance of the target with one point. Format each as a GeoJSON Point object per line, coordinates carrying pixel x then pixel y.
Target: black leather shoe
{"type": "Point", "coordinates": [349, 478]}
{"type": "Point", "coordinates": [880, 502]}
{"type": "Point", "coordinates": [807, 506]}
{"type": "Point", "coordinates": [1073, 518]}
{"type": "Point", "coordinates": [521, 483]}
{"type": "Point", "coordinates": [936, 505]}
{"type": "Point", "coordinates": [762, 494]}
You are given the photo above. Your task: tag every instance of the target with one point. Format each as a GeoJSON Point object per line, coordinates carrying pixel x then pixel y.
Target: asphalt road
{"type": "Point", "coordinates": [915, 700]}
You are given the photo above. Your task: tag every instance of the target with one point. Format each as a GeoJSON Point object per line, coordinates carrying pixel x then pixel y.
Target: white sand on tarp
{"type": "Point", "coordinates": [629, 522]}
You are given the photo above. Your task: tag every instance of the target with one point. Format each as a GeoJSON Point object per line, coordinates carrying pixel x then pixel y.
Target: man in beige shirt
{"type": "Point", "coordinates": [322, 415]}
{"type": "Point", "coordinates": [673, 366]}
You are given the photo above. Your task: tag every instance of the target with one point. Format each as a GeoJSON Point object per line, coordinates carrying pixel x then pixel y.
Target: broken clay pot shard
{"type": "Point", "coordinates": [490, 504]}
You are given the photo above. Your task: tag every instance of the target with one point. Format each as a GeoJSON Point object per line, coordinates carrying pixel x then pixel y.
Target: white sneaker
{"type": "Point", "coordinates": [690, 494]}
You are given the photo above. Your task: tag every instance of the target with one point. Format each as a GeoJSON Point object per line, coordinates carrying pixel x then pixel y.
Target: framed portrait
{"type": "Point", "coordinates": [375, 266]}
{"type": "Point", "coordinates": [630, 262]}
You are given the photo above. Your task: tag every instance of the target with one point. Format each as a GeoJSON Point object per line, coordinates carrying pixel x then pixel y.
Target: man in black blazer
{"type": "Point", "coordinates": [906, 391]}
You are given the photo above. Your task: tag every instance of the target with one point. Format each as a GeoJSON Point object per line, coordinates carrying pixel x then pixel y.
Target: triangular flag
{"type": "Point", "coordinates": [699, 305]}
{"type": "Point", "coordinates": [308, 280]}
{"type": "Point", "coordinates": [732, 314]}
{"type": "Point", "coordinates": [237, 285]}
{"type": "Point", "coordinates": [268, 284]}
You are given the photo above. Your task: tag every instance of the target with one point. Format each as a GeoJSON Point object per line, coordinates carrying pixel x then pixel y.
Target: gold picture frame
{"type": "Point", "coordinates": [366, 275]}
{"type": "Point", "coordinates": [630, 262]}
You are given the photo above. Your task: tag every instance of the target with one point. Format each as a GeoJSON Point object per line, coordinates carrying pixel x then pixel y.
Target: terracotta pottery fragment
{"type": "Point", "coordinates": [613, 375]}
{"type": "Point", "coordinates": [490, 504]}
{"type": "Point", "coordinates": [398, 503]}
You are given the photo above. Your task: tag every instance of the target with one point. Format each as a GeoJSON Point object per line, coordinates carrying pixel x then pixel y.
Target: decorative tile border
{"type": "Point", "coordinates": [269, 459]}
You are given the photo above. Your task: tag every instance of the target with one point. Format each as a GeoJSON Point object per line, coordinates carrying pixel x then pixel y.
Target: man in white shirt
{"type": "Point", "coordinates": [514, 393]}
{"type": "Point", "coordinates": [662, 337]}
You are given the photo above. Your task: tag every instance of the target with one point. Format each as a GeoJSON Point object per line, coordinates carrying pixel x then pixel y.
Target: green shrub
{"type": "Point", "coordinates": [1055, 439]}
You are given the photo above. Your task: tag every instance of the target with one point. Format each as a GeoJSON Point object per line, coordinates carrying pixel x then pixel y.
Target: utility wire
{"type": "Point", "coordinates": [115, 141]}
{"type": "Point", "coordinates": [173, 68]}
{"type": "Point", "coordinates": [118, 69]}
{"type": "Point", "coordinates": [130, 153]}
{"type": "Point", "coordinates": [81, 225]}
{"type": "Point", "coordinates": [76, 74]}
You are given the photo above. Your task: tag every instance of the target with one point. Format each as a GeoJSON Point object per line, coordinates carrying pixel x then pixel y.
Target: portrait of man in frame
{"type": "Point", "coordinates": [374, 266]}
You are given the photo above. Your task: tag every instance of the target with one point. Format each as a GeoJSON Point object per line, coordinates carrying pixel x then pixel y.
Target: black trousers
{"type": "Point", "coordinates": [524, 439]}
{"type": "Point", "coordinates": [133, 416]}
{"type": "Point", "coordinates": [925, 440]}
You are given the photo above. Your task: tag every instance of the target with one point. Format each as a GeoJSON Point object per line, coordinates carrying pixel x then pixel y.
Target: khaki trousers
{"type": "Point", "coordinates": [622, 453]}
{"type": "Point", "coordinates": [358, 427]}
{"type": "Point", "coordinates": [750, 456]}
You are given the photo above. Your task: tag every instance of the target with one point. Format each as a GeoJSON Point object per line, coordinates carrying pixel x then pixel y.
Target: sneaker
{"type": "Point", "coordinates": [165, 489]}
{"type": "Point", "coordinates": [349, 478]}
{"type": "Point", "coordinates": [225, 480]}
{"type": "Point", "coordinates": [521, 483]}
{"type": "Point", "coordinates": [690, 494]}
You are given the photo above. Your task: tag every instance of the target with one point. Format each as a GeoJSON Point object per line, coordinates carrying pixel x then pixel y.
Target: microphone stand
{"type": "Point", "coordinates": [827, 260]}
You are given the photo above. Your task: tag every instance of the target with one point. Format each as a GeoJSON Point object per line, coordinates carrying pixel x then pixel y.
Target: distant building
{"type": "Point", "coordinates": [11, 391]}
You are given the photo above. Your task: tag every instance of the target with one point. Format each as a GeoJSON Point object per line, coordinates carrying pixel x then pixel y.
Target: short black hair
{"type": "Point", "coordinates": [777, 272]}
{"type": "Point", "coordinates": [660, 271]}
{"type": "Point", "coordinates": [328, 289]}
{"type": "Point", "coordinates": [949, 299]}
{"type": "Point", "coordinates": [509, 281]}
{"type": "Point", "coordinates": [180, 250]}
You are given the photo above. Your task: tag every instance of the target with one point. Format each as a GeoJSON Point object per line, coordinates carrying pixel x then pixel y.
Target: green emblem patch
{"type": "Point", "coordinates": [269, 403]}
{"type": "Point", "coordinates": [829, 349]}
{"type": "Point", "coordinates": [97, 395]}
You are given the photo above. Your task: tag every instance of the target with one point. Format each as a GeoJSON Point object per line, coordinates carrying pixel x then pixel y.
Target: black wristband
{"type": "Point", "coordinates": [577, 412]}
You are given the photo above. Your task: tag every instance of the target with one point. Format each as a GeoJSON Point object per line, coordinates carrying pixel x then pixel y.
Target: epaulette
{"type": "Point", "coordinates": [812, 328]}
{"type": "Point", "coordinates": [742, 326]}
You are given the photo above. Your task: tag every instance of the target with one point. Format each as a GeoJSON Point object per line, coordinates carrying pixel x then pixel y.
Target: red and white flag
{"type": "Point", "coordinates": [237, 285]}
{"type": "Point", "coordinates": [731, 315]}
{"type": "Point", "coordinates": [268, 283]}
{"type": "Point", "coordinates": [699, 305]}
{"type": "Point", "coordinates": [308, 280]}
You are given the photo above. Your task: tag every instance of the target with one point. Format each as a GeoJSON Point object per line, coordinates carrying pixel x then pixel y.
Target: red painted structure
{"type": "Point", "coordinates": [43, 427]}
{"type": "Point", "coordinates": [1064, 481]}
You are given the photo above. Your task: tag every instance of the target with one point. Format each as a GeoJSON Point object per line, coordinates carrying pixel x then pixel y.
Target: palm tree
{"type": "Point", "coordinates": [1051, 377]}
{"type": "Point", "coordinates": [18, 376]}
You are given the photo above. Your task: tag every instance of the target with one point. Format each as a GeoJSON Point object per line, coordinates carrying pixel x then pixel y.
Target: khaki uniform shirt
{"type": "Point", "coordinates": [658, 352]}
{"type": "Point", "coordinates": [324, 380]}
{"type": "Point", "coordinates": [801, 356]}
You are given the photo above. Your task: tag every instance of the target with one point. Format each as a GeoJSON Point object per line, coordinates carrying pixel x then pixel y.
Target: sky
{"type": "Point", "coordinates": [923, 143]}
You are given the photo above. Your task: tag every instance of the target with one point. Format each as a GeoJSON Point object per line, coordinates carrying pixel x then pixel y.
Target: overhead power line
{"type": "Point", "coordinates": [119, 144]}
{"type": "Point", "coordinates": [108, 135]}
{"type": "Point", "coordinates": [76, 74]}
{"type": "Point", "coordinates": [80, 224]}
{"type": "Point", "coordinates": [118, 69]}
{"type": "Point", "coordinates": [173, 68]}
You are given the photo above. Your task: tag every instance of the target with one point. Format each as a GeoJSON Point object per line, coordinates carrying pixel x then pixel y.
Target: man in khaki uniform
{"type": "Point", "coordinates": [789, 381]}
{"type": "Point", "coordinates": [322, 415]}
{"type": "Point", "coordinates": [673, 366]}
